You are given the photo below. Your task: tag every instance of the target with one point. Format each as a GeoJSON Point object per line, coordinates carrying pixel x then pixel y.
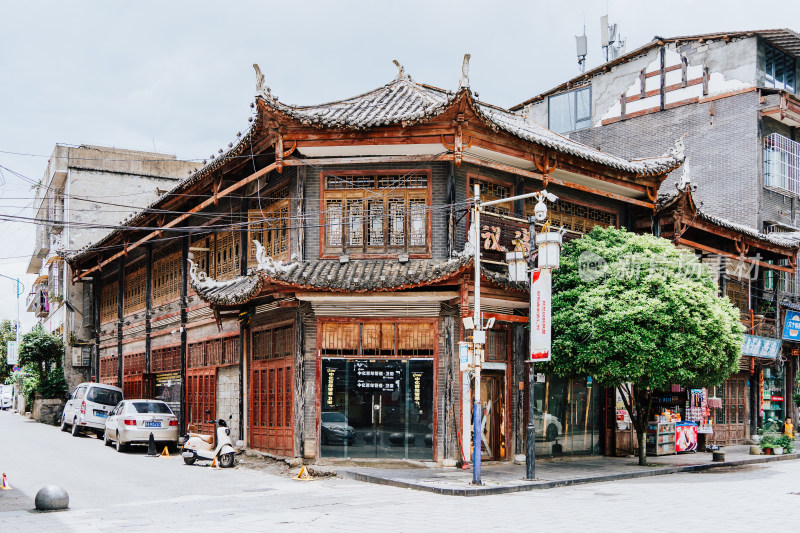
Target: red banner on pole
{"type": "Point", "coordinates": [541, 289]}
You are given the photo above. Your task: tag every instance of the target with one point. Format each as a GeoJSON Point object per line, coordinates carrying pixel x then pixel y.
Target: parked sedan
{"type": "Point", "coordinates": [132, 422]}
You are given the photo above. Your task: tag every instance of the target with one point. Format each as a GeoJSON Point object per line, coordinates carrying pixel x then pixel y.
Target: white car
{"type": "Point", "coordinates": [6, 396]}
{"type": "Point", "coordinates": [547, 426]}
{"type": "Point", "coordinates": [88, 407]}
{"type": "Point", "coordinates": [132, 422]}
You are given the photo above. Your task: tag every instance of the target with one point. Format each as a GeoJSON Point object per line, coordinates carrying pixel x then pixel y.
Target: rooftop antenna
{"type": "Point", "coordinates": [611, 41]}
{"type": "Point", "coordinates": [582, 48]}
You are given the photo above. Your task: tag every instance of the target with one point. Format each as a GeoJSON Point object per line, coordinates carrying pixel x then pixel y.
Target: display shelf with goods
{"type": "Point", "coordinates": [660, 438]}
{"type": "Point", "coordinates": [772, 396]}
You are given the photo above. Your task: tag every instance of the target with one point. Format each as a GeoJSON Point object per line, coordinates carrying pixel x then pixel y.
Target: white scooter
{"type": "Point", "coordinates": [197, 446]}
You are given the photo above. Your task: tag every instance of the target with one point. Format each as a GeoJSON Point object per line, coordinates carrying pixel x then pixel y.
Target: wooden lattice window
{"type": "Point", "coordinates": [134, 291]}
{"type": "Point", "coordinates": [269, 223]}
{"type": "Point", "coordinates": [197, 355]}
{"type": "Point", "coordinates": [108, 302]}
{"type": "Point", "coordinates": [497, 344]}
{"type": "Point", "coordinates": [376, 214]}
{"type": "Point", "coordinates": [576, 217]}
{"type": "Point", "coordinates": [738, 293]}
{"type": "Point", "coordinates": [273, 343]}
{"type": "Point", "coordinates": [378, 339]}
{"type": "Point", "coordinates": [166, 274]}
{"type": "Point", "coordinates": [133, 363]}
{"type": "Point", "coordinates": [218, 254]}
{"type": "Point", "coordinates": [230, 351]}
{"type": "Point", "coordinates": [491, 191]}
{"type": "Point", "coordinates": [165, 359]}
{"type": "Point", "coordinates": [108, 370]}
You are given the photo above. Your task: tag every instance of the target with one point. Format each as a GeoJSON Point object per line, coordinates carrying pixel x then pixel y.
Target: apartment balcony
{"type": "Point", "coordinates": [782, 163]}
{"type": "Point", "coordinates": [42, 244]}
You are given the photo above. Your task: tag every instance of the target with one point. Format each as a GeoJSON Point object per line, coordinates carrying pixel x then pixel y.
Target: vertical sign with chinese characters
{"type": "Point", "coordinates": [12, 356]}
{"type": "Point", "coordinates": [541, 283]}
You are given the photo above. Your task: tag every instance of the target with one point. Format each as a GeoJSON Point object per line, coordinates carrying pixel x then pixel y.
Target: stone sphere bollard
{"type": "Point", "coordinates": [52, 498]}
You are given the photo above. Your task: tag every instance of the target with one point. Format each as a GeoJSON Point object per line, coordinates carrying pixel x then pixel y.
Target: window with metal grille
{"type": "Point", "coordinates": [108, 302]}
{"type": "Point", "coordinates": [270, 225]}
{"type": "Point", "coordinates": [166, 359]}
{"type": "Point", "coordinates": [166, 274]}
{"type": "Point", "coordinates": [218, 254]}
{"type": "Point", "coordinates": [378, 339]}
{"type": "Point", "coordinates": [376, 214]}
{"type": "Point", "coordinates": [782, 163]}
{"type": "Point", "coordinates": [573, 216]}
{"type": "Point", "coordinates": [134, 291]}
{"type": "Point", "coordinates": [779, 71]}
{"type": "Point", "coordinates": [273, 343]}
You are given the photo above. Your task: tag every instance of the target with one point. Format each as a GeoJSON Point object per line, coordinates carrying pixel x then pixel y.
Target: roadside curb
{"type": "Point", "coordinates": [488, 491]}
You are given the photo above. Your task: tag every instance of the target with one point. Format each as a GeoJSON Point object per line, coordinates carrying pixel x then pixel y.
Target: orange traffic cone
{"type": "Point", "coordinates": [214, 464]}
{"type": "Point", "coordinates": [5, 485]}
{"type": "Point", "coordinates": [165, 453]}
{"type": "Point", "coordinates": [303, 474]}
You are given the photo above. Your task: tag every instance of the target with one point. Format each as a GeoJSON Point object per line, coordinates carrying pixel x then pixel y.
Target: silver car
{"type": "Point", "coordinates": [88, 406]}
{"type": "Point", "coordinates": [132, 422]}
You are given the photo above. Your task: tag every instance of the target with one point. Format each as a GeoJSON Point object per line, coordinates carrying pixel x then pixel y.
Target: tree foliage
{"type": "Point", "coordinates": [633, 309]}
{"type": "Point", "coordinates": [43, 352]}
{"type": "Point", "coordinates": [8, 332]}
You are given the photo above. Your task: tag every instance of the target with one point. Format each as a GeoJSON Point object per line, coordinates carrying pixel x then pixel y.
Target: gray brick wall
{"type": "Point", "coordinates": [722, 149]}
{"type": "Point", "coordinates": [228, 394]}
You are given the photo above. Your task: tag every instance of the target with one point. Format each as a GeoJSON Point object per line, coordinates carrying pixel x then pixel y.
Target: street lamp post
{"type": "Point", "coordinates": [548, 244]}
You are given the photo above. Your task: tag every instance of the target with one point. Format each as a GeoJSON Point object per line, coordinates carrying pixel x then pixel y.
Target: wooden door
{"type": "Point", "coordinates": [201, 398]}
{"type": "Point", "coordinates": [730, 421]}
{"type": "Point", "coordinates": [272, 390]}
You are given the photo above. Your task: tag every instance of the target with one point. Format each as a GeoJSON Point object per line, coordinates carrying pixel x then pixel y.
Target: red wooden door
{"type": "Point", "coordinates": [272, 392]}
{"type": "Point", "coordinates": [201, 396]}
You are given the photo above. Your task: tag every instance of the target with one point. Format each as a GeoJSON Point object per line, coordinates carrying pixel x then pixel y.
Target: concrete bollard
{"type": "Point", "coordinates": [52, 498]}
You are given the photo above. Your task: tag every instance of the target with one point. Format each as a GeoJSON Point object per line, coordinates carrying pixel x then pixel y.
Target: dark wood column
{"type": "Point", "coordinates": [148, 294]}
{"type": "Point", "coordinates": [97, 287]}
{"type": "Point", "coordinates": [120, 316]}
{"type": "Point", "coordinates": [184, 302]}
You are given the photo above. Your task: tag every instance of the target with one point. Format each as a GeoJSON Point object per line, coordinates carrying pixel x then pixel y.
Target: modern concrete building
{"type": "Point", "coordinates": [86, 191]}
{"type": "Point", "coordinates": [734, 98]}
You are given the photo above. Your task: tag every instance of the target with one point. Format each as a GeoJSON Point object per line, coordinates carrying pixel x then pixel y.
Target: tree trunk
{"type": "Point", "coordinates": [638, 403]}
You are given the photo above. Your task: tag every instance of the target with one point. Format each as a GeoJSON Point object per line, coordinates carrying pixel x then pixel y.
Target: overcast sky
{"type": "Point", "coordinates": [177, 76]}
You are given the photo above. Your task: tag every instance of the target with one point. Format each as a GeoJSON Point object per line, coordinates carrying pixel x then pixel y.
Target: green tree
{"type": "Point", "coordinates": [43, 351]}
{"type": "Point", "coordinates": [638, 314]}
{"type": "Point", "coordinates": [8, 332]}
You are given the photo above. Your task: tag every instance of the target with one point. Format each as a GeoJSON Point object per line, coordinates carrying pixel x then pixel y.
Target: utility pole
{"type": "Point", "coordinates": [530, 434]}
{"type": "Point", "coordinates": [478, 336]}
{"type": "Point", "coordinates": [19, 288]}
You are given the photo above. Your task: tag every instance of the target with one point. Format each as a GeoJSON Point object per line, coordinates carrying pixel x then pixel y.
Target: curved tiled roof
{"type": "Point", "coordinates": [403, 101]}
{"type": "Point", "coordinates": [351, 277]}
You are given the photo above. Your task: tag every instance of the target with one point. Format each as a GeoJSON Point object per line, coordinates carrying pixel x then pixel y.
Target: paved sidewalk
{"type": "Point", "coordinates": [500, 478]}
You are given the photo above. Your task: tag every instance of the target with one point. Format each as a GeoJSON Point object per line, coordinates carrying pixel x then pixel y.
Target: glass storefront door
{"type": "Point", "coordinates": [377, 408]}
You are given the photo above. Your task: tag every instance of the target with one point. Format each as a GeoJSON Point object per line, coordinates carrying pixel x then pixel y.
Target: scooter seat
{"type": "Point", "coordinates": [205, 438]}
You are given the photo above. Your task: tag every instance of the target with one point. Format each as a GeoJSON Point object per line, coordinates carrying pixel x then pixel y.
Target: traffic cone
{"type": "Point", "coordinates": [151, 447]}
{"type": "Point", "coordinates": [165, 453]}
{"type": "Point", "coordinates": [5, 485]}
{"type": "Point", "coordinates": [303, 474]}
{"type": "Point", "coordinates": [214, 464]}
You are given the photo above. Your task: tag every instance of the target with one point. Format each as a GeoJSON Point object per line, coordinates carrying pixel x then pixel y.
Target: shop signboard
{"type": "Point", "coordinates": [791, 326]}
{"type": "Point", "coordinates": [12, 356]}
{"type": "Point", "coordinates": [755, 346]}
{"type": "Point", "coordinates": [541, 283]}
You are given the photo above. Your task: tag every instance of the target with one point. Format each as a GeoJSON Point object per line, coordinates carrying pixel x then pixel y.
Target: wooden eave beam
{"type": "Point", "coordinates": [733, 235]}
{"type": "Point", "coordinates": [710, 249]}
{"type": "Point", "coordinates": [180, 218]}
{"type": "Point", "coordinates": [533, 175]}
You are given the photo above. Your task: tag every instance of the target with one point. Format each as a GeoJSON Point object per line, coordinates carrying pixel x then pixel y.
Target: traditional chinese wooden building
{"type": "Point", "coordinates": [310, 278]}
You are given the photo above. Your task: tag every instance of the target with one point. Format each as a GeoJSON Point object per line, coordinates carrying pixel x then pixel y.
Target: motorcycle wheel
{"type": "Point", "coordinates": [189, 460]}
{"type": "Point", "coordinates": [226, 460]}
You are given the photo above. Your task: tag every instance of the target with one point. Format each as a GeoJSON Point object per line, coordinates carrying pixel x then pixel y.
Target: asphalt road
{"type": "Point", "coordinates": [110, 491]}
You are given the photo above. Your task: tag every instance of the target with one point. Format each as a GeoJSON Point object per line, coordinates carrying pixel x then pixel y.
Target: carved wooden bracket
{"type": "Point", "coordinates": [742, 247]}
{"type": "Point", "coordinates": [216, 185]}
{"type": "Point", "coordinates": [160, 223]}
{"type": "Point", "coordinates": [546, 166]}
{"type": "Point", "coordinates": [792, 260]}
{"type": "Point", "coordinates": [652, 193]}
{"type": "Point", "coordinates": [458, 145]}
{"type": "Point", "coordinates": [280, 153]}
